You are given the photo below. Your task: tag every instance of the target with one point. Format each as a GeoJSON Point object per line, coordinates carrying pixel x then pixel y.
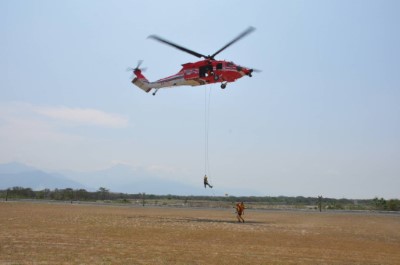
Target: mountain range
{"type": "Point", "coordinates": [119, 178]}
{"type": "Point", "coordinates": [20, 175]}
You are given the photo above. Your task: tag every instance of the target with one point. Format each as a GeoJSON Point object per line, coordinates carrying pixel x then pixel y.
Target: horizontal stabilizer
{"type": "Point", "coordinates": [142, 83]}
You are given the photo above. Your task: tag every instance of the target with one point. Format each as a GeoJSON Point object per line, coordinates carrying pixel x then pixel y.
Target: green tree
{"type": "Point", "coordinates": [82, 194]}
{"type": "Point", "coordinates": [393, 205]}
{"type": "Point", "coordinates": [380, 204]}
{"type": "Point", "coordinates": [103, 193]}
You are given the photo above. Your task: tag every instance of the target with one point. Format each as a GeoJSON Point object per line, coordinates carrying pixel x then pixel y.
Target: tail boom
{"type": "Point", "coordinates": [142, 84]}
{"type": "Point", "coordinates": [172, 81]}
{"type": "Point", "coordinates": [141, 81]}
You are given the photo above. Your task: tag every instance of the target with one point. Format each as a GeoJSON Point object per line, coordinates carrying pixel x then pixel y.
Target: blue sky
{"type": "Point", "coordinates": [323, 117]}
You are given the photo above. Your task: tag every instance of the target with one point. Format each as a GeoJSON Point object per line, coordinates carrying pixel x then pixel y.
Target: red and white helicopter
{"type": "Point", "coordinates": [207, 71]}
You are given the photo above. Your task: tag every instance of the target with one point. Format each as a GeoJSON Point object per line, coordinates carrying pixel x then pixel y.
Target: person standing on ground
{"type": "Point", "coordinates": [240, 211]}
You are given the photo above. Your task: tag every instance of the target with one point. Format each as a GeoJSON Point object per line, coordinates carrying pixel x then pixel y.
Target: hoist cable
{"type": "Point", "coordinates": [207, 103]}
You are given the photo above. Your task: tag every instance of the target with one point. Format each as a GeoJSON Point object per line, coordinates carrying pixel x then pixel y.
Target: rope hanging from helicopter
{"type": "Point", "coordinates": [207, 104]}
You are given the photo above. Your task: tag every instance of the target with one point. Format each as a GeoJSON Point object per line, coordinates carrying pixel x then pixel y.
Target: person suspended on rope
{"type": "Point", "coordinates": [240, 211]}
{"type": "Point", "coordinates": [206, 182]}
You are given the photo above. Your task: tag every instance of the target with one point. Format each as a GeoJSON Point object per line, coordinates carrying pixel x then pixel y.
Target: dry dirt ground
{"type": "Point", "coordinates": [40, 233]}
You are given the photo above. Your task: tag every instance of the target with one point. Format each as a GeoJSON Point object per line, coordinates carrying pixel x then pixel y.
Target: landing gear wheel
{"type": "Point", "coordinates": [223, 86]}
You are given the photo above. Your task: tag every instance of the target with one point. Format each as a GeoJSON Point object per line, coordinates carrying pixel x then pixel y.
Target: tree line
{"type": "Point", "coordinates": [104, 194]}
{"type": "Point", "coordinates": [67, 194]}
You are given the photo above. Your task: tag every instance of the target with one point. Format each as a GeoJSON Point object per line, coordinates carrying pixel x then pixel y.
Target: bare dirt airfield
{"type": "Point", "coordinates": [50, 233]}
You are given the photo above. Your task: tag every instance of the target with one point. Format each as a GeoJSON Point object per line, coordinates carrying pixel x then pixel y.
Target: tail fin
{"type": "Point", "coordinates": [141, 81]}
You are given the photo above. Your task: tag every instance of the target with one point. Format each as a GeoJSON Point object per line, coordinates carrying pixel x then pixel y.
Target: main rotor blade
{"type": "Point", "coordinates": [243, 34]}
{"type": "Point", "coordinates": [199, 55]}
{"type": "Point", "coordinates": [139, 64]}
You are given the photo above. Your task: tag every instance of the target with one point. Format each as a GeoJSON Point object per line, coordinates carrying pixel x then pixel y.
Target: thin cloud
{"type": "Point", "coordinates": [83, 116]}
{"type": "Point", "coordinates": [47, 135]}
{"type": "Point", "coordinates": [64, 115]}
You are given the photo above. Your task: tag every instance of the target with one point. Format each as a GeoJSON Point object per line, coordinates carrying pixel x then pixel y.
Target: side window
{"type": "Point", "coordinates": [202, 71]}
{"type": "Point", "coordinates": [219, 66]}
{"type": "Point", "coordinates": [205, 70]}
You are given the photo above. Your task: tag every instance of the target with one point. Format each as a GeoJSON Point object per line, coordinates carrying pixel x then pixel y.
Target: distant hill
{"type": "Point", "coordinates": [15, 167]}
{"type": "Point", "coordinates": [125, 179]}
{"type": "Point", "coordinates": [19, 175]}
{"type": "Point", "coordinates": [119, 178]}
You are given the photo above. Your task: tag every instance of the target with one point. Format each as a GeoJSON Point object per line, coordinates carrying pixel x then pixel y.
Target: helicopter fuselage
{"type": "Point", "coordinates": [196, 74]}
{"type": "Point", "coordinates": [207, 71]}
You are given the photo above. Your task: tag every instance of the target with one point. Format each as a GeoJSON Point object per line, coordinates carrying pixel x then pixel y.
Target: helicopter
{"type": "Point", "coordinates": [207, 71]}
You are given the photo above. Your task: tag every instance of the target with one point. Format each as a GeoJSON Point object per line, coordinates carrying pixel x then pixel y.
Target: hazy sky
{"type": "Point", "coordinates": [323, 117]}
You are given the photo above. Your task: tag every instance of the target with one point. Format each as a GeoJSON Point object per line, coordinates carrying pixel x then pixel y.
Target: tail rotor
{"type": "Point", "coordinates": [136, 69]}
